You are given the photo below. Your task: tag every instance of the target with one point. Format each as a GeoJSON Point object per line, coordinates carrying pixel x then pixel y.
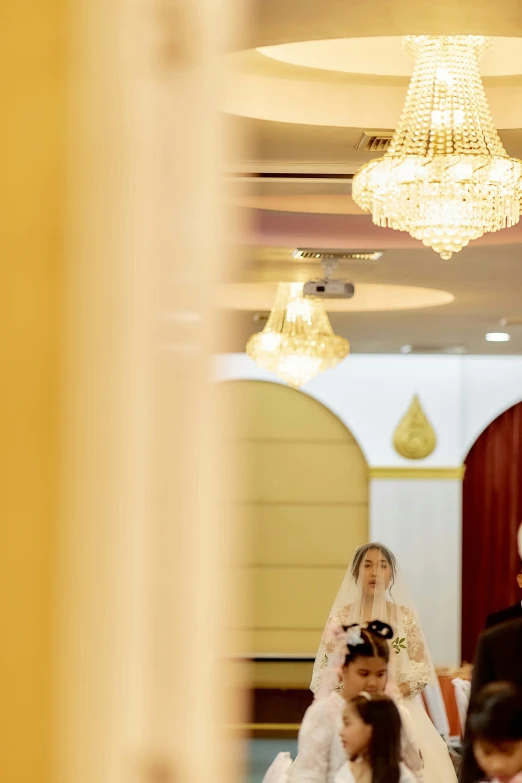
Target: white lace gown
{"type": "Point", "coordinates": [320, 751]}
{"type": "Point", "coordinates": [438, 767]}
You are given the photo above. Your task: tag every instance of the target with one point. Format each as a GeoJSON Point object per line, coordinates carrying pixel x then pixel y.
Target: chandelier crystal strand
{"type": "Point", "coordinates": [446, 178]}
{"type": "Point", "coordinates": [298, 341]}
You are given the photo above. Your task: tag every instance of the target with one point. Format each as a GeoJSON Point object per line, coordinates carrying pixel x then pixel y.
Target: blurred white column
{"type": "Point", "coordinates": [143, 597]}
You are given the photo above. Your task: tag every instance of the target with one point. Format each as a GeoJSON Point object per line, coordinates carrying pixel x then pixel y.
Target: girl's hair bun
{"type": "Point", "coordinates": [383, 629]}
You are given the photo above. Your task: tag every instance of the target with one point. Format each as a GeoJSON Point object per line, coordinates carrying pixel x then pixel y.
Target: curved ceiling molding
{"type": "Point", "coordinates": [338, 104]}
{"type": "Point", "coordinates": [384, 56]}
{"type": "Point", "coordinates": [313, 103]}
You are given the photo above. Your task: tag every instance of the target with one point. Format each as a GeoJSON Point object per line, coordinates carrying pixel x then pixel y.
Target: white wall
{"type": "Point", "coordinates": [490, 386]}
{"type": "Point", "coordinates": [420, 520]}
{"type": "Point", "coordinates": [369, 393]}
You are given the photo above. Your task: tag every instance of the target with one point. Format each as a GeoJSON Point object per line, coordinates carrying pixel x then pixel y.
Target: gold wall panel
{"type": "Point", "coordinates": [294, 597]}
{"type": "Point", "coordinates": [260, 412]}
{"type": "Point", "coordinates": [274, 530]}
{"type": "Point", "coordinates": [303, 500]}
{"type": "Point", "coordinates": [306, 472]}
{"type": "Point", "coordinates": [268, 640]}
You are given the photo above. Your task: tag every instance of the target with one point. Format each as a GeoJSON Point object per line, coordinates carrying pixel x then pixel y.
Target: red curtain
{"type": "Point", "coordinates": [492, 513]}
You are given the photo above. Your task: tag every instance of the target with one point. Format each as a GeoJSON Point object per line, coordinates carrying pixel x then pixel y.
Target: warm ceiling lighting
{"type": "Point", "coordinates": [298, 341]}
{"type": "Point", "coordinates": [446, 178]}
{"type": "Point", "coordinates": [498, 337]}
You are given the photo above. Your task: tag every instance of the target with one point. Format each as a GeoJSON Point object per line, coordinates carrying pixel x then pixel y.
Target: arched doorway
{"type": "Point", "coordinates": [304, 502]}
{"type": "Point", "coordinates": [492, 513]}
{"type": "Point", "coordinates": [302, 492]}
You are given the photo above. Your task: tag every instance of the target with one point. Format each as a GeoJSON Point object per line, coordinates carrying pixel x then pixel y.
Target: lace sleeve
{"type": "Point", "coordinates": [326, 648]}
{"type": "Point", "coordinates": [411, 755]}
{"type": "Point", "coordinates": [314, 744]}
{"type": "Point", "coordinates": [420, 670]}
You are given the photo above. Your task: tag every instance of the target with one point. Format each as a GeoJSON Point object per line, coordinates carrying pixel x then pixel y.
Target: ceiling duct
{"type": "Point", "coordinates": [455, 350]}
{"type": "Point", "coordinates": [337, 255]}
{"type": "Point", "coordinates": [374, 141]}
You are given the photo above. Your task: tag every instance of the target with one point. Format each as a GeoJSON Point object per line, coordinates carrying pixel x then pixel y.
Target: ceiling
{"type": "Point", "coordinates": [300, 113]}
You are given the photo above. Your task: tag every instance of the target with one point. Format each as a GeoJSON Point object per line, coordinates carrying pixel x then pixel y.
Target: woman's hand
{"type": "Point", "coordinates": [405, 689]}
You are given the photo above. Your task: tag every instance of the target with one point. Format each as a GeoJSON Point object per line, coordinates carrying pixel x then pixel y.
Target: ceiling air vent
{"type": "Point", "coordinates": [456, 350]}
{"type": "Point", "coordinates": [338, 255]}
{"type": "Point", "coordinates": [374, 141]}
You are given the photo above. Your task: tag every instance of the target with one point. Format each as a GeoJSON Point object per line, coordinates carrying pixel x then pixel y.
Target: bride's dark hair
{"type": "Point", "coordinates": [374, 644]}
{"type": "Point", "coordinates": [361, 553]}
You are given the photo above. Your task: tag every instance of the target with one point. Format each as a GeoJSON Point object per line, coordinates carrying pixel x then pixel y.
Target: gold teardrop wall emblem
{"type": "Point", "coordinates": [414, 437]}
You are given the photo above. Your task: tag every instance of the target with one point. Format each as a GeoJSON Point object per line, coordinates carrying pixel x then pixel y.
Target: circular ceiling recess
{"type": "Point", "coordinates": [353, 82]}
{"type": "Point", "coordinates": [369, 297]}
{"type": "Point", "coordinates": [384, 56]}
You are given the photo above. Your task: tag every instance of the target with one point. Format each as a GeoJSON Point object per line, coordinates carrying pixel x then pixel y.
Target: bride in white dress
{"type": "Point", "coordinates": [358, 661]}
{"type": "Point", "coordinates": [374, 589]}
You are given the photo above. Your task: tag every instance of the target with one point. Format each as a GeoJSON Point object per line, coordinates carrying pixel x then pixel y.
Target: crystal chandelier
{"type": "Point", "coordinates": [446, 178]}
{"type": "Point", "coordinates": [298, 341]}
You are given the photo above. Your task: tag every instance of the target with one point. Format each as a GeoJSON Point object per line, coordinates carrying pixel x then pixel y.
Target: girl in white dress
{"type": "Point", "coordinates": [359, 660]}
{"type": "Point", "coordinates": [495, 729]}
{"type": "Point", "coordinates": [371, 737]}
{"type": "Point", "coordinates": [374, 589]}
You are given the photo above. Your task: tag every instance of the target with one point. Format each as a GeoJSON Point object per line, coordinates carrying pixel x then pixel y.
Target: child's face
{"type": "Point", "coordinates": [364, 674]}
{"type": "Point", "coordinates": [502, 760]}
{"type": "Point", "coordinates": [355, 733]}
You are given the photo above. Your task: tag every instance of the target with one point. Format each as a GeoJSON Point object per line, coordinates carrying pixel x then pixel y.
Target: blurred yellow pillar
{"type": "Point", "coordinates": [114, 601]}
{"type": "Point", "coordinates": [142, 593]}
{"type": "Point", "coordinates": [31, 143]}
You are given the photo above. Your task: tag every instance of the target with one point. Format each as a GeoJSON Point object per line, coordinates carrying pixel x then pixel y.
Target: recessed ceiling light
{"type": "Point", "coordinates": [406, 348]}
{"type": "Point", "coordinates": [498, 337]}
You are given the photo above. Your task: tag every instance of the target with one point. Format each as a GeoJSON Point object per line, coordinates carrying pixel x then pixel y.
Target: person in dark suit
{"type": "Point", "coordinates": [498, 659]}
{"type": "Point", "coordinates": [511, 613]}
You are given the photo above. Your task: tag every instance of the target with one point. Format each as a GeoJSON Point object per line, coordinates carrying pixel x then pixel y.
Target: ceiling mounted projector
{"type": "Point", "coordinates": [329, 289]}
{"type": "Point", "coordinates": [326, 287]}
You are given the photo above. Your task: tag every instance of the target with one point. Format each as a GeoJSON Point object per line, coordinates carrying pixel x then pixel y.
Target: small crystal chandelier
{"type": "Point", "coordinates": [446, 178]}
{"type": "Point", "coordinates": [298, 341]}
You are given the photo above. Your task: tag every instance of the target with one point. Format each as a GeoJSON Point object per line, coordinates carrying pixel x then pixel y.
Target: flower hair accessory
{"type": "Point", "coordinates": [354, 636]}
{"type": "Point", "coordinates": [340, 640]}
